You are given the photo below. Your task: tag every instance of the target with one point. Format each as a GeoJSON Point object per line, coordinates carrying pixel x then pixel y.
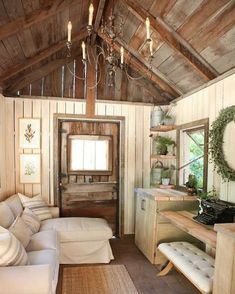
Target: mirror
{"type": "Point", "coordinates": [89, 153]}
{"type": "Point", "coordinates": [228, 146]}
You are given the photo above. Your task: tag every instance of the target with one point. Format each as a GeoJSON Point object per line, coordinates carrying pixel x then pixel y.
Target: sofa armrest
{"type": "Point", "coordinates": [55, 211]}
{"type": "Point", "coordinates": [29, 279]}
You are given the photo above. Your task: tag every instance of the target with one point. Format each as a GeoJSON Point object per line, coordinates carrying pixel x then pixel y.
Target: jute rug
{"type": "Point", "coordinates": [97, 279]}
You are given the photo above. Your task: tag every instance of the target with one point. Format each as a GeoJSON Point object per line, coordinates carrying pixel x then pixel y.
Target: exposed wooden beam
{"type": "Point", "coordinates": [39, 57]}
{"type": "Point", "coordinates": [90, 86]}
{"type": "Point", "coordinates": [99, 14]}
{"type": "Point", "coordinates": [35, 75]}
{"type": "Point", "coordinates": [22, 23]}
{"type": "Point", "coordinates": [174, 40]}
{"type": "Point", "coordinates": [137, 65]}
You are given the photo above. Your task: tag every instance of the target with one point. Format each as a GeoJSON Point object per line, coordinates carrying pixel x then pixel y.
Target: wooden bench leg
{"type": "Point", "coordinates": [166, 269]}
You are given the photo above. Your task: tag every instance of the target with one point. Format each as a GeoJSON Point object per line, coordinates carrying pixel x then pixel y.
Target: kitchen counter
{"type": "Point", "coordinates": [164, 194]}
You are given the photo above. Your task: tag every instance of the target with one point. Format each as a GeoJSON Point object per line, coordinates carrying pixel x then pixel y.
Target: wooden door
{"type": "Point", "coordinates": [89, 193]}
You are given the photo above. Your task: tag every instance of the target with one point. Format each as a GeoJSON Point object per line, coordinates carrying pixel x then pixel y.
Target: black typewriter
{"type": "Point", "coordinates": [215, 211]}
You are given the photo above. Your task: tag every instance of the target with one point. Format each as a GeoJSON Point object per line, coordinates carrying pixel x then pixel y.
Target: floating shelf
{"type": "Point", "coordinates": [163, 128]}
{"type": "Point", "coordinates": [163, 157]}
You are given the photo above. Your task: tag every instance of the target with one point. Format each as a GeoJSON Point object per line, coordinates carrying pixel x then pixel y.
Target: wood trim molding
{"type": "Point", "coordinates": [174, 40]}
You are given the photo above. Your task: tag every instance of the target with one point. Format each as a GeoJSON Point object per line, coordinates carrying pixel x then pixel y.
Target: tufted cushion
{"type": "Point", "coordinates": [78, 229]}
{"type": "Point", "coordinates": [195, 264]}
{"type": "Point", "coordinates": [6, 215]}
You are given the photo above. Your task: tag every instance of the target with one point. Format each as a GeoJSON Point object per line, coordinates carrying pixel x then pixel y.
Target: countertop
{"type": "Point", "coordinates": [165, 194]}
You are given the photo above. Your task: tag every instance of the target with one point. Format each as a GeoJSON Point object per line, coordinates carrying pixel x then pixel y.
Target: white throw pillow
{"type": "Point", "coordinates": [37, 205]}
{"type": "Point", "coordinates": [31, 220]}
{"type": "Point", "coordinates": [12, 251]}
{"type": "Point", "coordinates": [6, 215]}
{"type": "Point", "coordinates": [21, 231]}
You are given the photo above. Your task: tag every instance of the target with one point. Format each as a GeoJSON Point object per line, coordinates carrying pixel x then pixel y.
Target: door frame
{"type": "Point", "coordinates": [120, 120]}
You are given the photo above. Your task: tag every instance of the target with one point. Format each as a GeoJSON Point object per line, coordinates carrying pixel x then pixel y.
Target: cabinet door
{"type": "Point", "coordinates": [140, 224]}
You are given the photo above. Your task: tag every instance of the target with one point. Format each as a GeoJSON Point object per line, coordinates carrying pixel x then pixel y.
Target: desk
{"type": "Point", "coordinates": [184, 221]}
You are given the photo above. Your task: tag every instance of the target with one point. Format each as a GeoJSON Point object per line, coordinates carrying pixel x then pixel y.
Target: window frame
{"type": "Point", "coordinates": [199, 124]}
{"type": "Point", "coordinates": [90, 137]}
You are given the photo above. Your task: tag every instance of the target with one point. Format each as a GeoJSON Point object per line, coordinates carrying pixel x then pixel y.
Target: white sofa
{"type": "Point", "coordinates": [71, 240]}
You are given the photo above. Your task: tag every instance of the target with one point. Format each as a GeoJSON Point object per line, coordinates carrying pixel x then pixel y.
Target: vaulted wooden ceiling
{"type": "Point", "coordinates": [194, 42]}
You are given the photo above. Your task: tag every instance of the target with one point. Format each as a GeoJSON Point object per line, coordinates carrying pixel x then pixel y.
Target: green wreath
{"type": "Point", "coordinates": [216, 136]}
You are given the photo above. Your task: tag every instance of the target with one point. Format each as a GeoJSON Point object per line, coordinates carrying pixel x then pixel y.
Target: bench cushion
{"type": "Point", "coordinates": [73, 229]}
{"type": "Point", "coordinates": [195, 264]}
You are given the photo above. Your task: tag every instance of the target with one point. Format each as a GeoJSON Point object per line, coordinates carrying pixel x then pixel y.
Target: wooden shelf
{"type": "Point", "coordinates": [163, 128]}
{"type": "Point", "coordinates": [163, 157]}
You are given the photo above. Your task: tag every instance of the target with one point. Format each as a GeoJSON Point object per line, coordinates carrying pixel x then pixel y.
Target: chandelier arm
{"type": "Point", "coordinates": [99, 71]}
{"type": "Point", "coordinates": [133, 78]}
{"type": "Point", "coordinates": [73, 74]}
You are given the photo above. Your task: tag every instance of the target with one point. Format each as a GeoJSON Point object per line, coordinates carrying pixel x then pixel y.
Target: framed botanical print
{"type": "Point", "coordinates": [30, 168]}
{"type": "Point", "coordinates": [29, 133]}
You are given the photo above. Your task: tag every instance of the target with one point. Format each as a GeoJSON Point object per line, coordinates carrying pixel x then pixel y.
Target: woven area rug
{"type": "Point", "coordinates": [97, 279]}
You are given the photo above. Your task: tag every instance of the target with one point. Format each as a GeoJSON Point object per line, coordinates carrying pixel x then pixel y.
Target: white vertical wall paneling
{"type": "Point", "coordinates": [19, 113]}
{"type": "Point", "coordinates": [139, 146]}
{"type": "Point", "coordinates": [53, 110]}
{"type": "Point", "coordinates": [45, 158]}
{"type": "Point", "coordinates": [10, 147]}
{"type": "Point", "coordinates": [146, 147]}
{"type": "Point", "coordinates": [2, 149]}
{"type": "Point", "coordinates": [36, 114]}
{"type": "Point", "coordinates": [28, 111]}
{"type": "Point", "coordinates": [207, 103]}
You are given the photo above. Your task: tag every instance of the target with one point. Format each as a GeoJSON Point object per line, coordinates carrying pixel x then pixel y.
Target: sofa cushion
{"type": "Point", "coordinates": [21, 231]}
{"type": "Point", "coordinates": [6, 215]}
{"type": "Point", "coordinates": [15, 204]}
{"type": "Point", "coordinates": [12, 251]}
{"type": "Point", "coordinates": [37, 205]}
{"type": "Point", "coordinates": [31, 220]}
{"type": "Point", "coordinates": [78, 228]}
{"type": "Point", "coordinates": [44, 240]}
{"type": "Point", "coordinates": [47, 256]}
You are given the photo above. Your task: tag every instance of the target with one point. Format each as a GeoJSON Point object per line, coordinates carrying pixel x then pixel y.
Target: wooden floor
{"type": "Point", "coordinates": [143, 273]}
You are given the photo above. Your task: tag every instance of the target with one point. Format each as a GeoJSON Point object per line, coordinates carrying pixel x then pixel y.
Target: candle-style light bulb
{"type": "Point", "coordinates": [69, 31]}
{"type": "Point", "coordinates": [147, 23]}
{"type": "Point", "coordinates": [83, 51]}
{"type": "Point", "coordinates": [122, 55]}
{"type": "Point", "coordinates": [91, 11]}
{"type": "Point", "coordinates": [151, 47]}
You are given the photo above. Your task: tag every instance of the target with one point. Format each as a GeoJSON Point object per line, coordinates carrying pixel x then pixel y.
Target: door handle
{"type": "Point", "coordinates": [62, 188]}
{"type": "Point", "coordinates": [143, 204]}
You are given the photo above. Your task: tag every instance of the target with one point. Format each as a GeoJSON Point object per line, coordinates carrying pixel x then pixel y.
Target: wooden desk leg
{"type": "Point", "coordinates": [166, 269]}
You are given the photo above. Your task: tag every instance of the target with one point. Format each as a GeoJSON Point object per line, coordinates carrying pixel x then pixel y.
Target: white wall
{"type": "Point", "coordinates": [137, 145]}
{"type": "Point", "coordinates": [207, 103]}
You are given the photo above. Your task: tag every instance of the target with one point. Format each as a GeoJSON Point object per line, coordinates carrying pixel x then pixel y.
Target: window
{"type": "Point", "coordinates": [192, 156]}
{"type": "Point", "coordinates": [89, 153]}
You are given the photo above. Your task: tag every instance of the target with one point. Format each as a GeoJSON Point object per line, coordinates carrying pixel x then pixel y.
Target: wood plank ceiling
{"type": "Point", "coordinates": [193, 40]}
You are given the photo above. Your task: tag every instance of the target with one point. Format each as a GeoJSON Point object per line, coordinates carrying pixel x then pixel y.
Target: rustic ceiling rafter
{"type": "Point", "coordinates": [39, 15]}
{"type": "Point", "coordinates": [12, 71]}
{"type": "Point", "coordinates": [99, 15]}
{"type": "Point", "coordinates": [174, 40]}
{"type": "Point", "coordinates": [36, 75]}
{"type": "Point", "coordinates": [139, 66]}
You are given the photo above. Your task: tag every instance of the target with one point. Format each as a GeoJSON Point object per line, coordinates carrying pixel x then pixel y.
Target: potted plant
{"type": "Point", "coordinates": [191, 185]}
{"type": "Point", "coordinates": [206, 196]}
{"type": "Point", "coordinates": [166, 175]}
{"type": "Point", "coordinates": [162, 143]}
{"type": "Point", "coordinates": [168, 119]}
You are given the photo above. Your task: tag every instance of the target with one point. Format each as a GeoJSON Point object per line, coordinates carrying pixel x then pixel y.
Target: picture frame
{"type": "Point", "coordinates": [29, 133]}
{"type": "Point", "coordinates": [30, 168]}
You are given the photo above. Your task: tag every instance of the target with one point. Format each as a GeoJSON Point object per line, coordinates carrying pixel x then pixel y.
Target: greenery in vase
{"type": "Point", "coordinates": [167, 172]}
{"type": "Point", "coordinates": [162, 143]}
{"type": "Point", "coordinates": [208, 195]}
{"type": "Point", "coordinates": [192, 181]}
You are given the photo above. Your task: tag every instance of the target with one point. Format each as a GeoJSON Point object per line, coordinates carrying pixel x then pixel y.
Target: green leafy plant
{"type": "Point", "coordinates": [216, 136]}
{"type": "Point", "coordinates": [167, 172]}
{"type": "Point", "coordinates": [208, 195]}
{"type": "Point", "coordinates": [192, 181]}
{"type": "Point", "coordinates": [162, 143]}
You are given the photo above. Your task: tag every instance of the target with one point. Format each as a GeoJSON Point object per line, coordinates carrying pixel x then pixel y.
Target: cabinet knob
{"type": "Point", "coordinates": [143, 204]}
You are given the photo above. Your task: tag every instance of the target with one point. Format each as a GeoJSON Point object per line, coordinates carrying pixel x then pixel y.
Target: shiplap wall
{"type": "Point", "coordinates": [207, 103]}
{"type": "Point", "coordinates": [137, 146]}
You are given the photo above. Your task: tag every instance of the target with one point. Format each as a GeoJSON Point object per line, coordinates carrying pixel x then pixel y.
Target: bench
{"type": "Point", "coordinates": [192, 262]}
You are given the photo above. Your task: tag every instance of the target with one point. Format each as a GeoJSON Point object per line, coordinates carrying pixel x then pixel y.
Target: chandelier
{"type": "Point", "coordinates": [112, 28]}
